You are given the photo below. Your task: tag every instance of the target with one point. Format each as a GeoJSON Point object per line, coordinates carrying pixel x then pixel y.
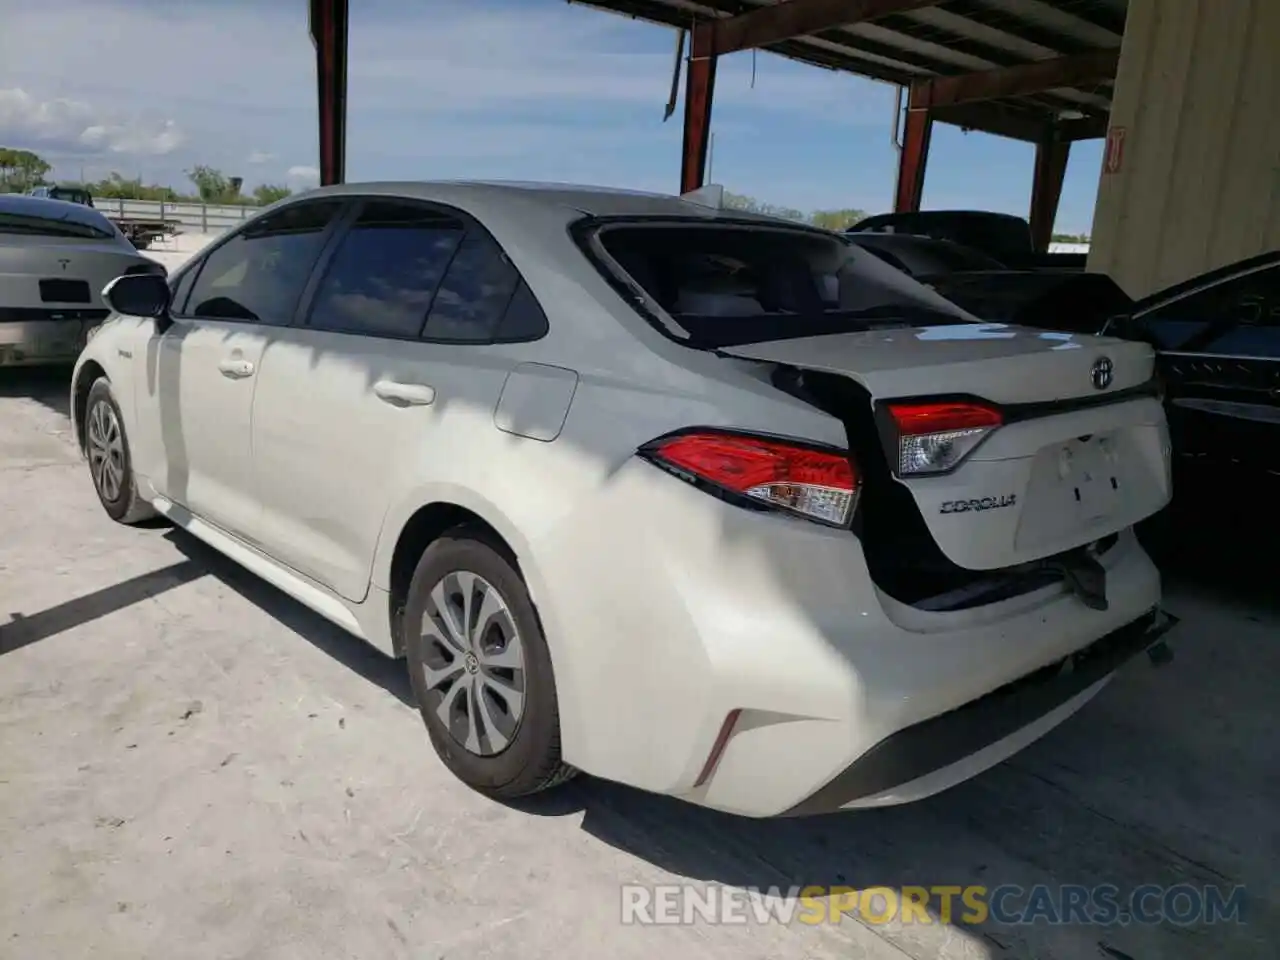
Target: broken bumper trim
{"type": "Point", "coordinates": [940, 741]}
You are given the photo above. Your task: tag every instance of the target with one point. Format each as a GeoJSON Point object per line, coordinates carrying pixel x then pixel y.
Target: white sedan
{"type": "Point", "coordinates": [710, 504]}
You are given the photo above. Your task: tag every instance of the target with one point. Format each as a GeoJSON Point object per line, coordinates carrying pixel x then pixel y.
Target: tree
{"type": "Point", "coordinates": [115, 186]}
{"type": "Point", "coordinates": [826, 219]}
{"type": "Point", "coordinates": [268, 193]}
{"type": "Point", "coordinates": [212, 185]}
{"type": "Point", "coordinates": [20, 170]}
{"type": "Point", "coordinates": [837, 220]}
{"type": "Point", "coordinates": [737, 201]}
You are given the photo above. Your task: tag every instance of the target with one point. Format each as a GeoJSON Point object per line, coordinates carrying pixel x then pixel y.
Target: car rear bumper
{"type": "Point", "coordinates": [669, 613]}
{"type": "Point", "coordinates": [931, 755]}
{"type": "Point", "coordinates": [41, 342]}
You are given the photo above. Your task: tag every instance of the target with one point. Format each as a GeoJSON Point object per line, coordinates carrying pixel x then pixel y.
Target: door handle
{"type": "Point", "coordinates": [404, 394]}
{"type": "Point", "coordinates": [236, 368]}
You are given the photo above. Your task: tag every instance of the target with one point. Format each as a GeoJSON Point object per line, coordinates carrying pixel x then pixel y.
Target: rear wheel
{"type": "Point", "coordinates": [106, 447]}
{"type": "Point", "coordinates": [480, 668]}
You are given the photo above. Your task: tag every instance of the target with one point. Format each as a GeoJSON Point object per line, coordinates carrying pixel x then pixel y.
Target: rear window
{"type": "Point", "coordinates": [79, 227]}
{"type": "Point", "coordinates": [728, 284]}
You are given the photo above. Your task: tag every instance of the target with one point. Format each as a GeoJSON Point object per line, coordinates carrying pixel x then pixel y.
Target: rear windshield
{"type": "Point", "coordinates": [729, 284]}
{"type": "Point", "coordinates": [79, 227]}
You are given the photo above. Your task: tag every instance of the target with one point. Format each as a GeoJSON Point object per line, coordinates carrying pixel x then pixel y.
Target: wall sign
{"type": "Point", "coordinates": [1113, 158]}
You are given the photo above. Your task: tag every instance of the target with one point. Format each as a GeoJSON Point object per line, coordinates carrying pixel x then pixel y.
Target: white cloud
{"type": "Point", "coordinates": [303, 176]}
{"type": "Point", "coordinates": [454, 88]}
{"type": "Point", "coordinates": [75, 127]}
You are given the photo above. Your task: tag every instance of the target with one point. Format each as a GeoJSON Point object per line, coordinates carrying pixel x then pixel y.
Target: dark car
{"type": "Point", "coordinates": [1000, 235]}
{"type": "Point", "coordinates": [1218, 343]}
{"type": "Point", "coordinates": [923, 256]}
{"type": "Point", "coordinates": [1073, 302]}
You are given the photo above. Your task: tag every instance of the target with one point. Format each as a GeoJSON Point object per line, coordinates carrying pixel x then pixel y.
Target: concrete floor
{"type": "Point", "coordinates": [193, 765]}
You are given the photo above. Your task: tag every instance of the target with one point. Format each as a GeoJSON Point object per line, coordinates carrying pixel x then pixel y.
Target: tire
{"type": "Point", "coordinates": [106, 447]}
{"type": "Point", "coordinates": [496, 687]}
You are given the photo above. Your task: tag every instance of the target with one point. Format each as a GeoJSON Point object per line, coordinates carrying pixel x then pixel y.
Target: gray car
{"type": "Point", "coordinates": [55, 258]}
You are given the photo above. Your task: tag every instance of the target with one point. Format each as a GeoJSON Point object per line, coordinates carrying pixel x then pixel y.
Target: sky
{"type": "Point", "coordinates": [485, 89]}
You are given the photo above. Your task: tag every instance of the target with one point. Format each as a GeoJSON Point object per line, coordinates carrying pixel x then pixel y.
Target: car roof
{"type": "Point", "coordinates": [494, 198]}
{"type": "Point", "coordinates": [18, 204]}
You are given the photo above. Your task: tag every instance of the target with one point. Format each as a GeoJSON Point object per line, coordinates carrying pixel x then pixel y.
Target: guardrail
{"type": "Point", "coordinates": [201, 217]}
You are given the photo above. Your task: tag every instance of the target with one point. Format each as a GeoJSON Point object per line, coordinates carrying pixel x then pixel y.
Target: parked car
{"type": "Point", "coordinates": [55, 258]}
{"type": "Point", "coordinates": [923, 256]}
{"type": "Point", "coordinates": [140, 231]}
{"type": "Point", "coordinates": [1000, 235]}
{"type": "Point", "coordinates": [1217, 338]}
{"type": "Point", "coordinates": [706, 503]}
{"type": "Point", "coordinates": [68, 194]}
{"type": "Point", "coordinates": [1055, 300]}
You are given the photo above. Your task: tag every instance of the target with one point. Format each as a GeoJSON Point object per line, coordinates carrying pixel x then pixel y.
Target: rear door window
{"type": "Point", "coordinates": [259, 273]}
{"type": "Point", "coordinates": [411, 271]}
{"type": "Point", "coordinates": [386, 270]}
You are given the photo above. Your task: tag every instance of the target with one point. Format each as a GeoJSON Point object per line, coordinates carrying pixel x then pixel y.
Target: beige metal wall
{"type": "Point", "coordinates": [1198, 96]}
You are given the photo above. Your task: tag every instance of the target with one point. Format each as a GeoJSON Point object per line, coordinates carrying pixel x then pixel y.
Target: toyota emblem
{"type": "Point", "coordinates": [1100, 375]}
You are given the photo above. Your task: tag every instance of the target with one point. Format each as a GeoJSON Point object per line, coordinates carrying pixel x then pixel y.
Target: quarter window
{"type": "Point", "coordinates": [474, 294]}
{"type": "Point", "coordinates": [259, 274]}
{"type": "Point", "coordinates": [384, 274]}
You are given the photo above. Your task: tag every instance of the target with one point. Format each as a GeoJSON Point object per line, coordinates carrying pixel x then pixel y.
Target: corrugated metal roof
{"type": "Point", "coordinates": [949, 38]}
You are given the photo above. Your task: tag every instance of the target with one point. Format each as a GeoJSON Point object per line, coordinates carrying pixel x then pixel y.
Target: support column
{"type": "Point", "coordinates": [329, 19]}
{"type": "Point", "coordinates": [700, 84]}
{"type": "Point", "coordinates": [1052, 154]}
{"type": "Point", "coordinates": [915, 151]}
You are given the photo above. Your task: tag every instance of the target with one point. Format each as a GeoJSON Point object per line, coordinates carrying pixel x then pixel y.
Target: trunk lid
{"type": "Point", "coordinates": [1067, 467]}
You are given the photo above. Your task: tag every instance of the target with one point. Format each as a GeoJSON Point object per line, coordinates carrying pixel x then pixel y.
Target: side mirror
{"type": "Point", "coordinates": [139, 295]}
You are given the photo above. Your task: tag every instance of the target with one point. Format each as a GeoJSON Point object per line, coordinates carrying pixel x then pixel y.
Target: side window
{"type": "Point", "coordinates": [1238, 316]}
{"type": "Point", "coordinates": [473, 298]}
{"type": "Point", "coordinates": [180, 289]}
{"type": "Point", "coordinates": [258, 275]}
{"type": "Point", "coordinates": [383, 277]}
{"type": "Point", "coordinates": [524, 318]}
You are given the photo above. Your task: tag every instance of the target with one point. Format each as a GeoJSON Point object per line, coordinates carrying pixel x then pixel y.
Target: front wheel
{"type": "Point", "coordinates": [480, 668]}
{"type": "Point", "coordinates": [106, 447]}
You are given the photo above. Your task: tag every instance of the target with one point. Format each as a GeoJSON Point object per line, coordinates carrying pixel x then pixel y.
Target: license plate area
{"type": "Point", "coordinates": [1089, 477]}
{"type": "Point", "coordinates": [64, 291]}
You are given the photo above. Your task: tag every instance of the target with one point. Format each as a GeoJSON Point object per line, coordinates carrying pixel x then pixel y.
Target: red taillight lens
{"type": "Point", "coordinates": [936, 437]}
{"type": "Point", "coordinates": [819, 484]}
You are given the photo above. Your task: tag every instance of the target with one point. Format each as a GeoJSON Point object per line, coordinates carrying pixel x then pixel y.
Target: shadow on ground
{"type": "Point", "coordinates": [49, 386]}
{"type": "Point", "coordinates": [1121, 795]}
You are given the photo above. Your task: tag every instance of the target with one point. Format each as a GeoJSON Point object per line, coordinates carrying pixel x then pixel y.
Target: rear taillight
{"type": "Point", "coordinates": [936, 437]}
{"type": "Point", "coordinates": [818, 484]}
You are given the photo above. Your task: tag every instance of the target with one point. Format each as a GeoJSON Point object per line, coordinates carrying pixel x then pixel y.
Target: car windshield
{"type": "Point", "coordinates": [731, 283]}
{"type": "Point", "coordinates": [25, 224]}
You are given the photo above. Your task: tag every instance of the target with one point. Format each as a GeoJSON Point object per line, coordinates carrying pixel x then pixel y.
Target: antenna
{"type": "Point", "coordinates": [711, 196]}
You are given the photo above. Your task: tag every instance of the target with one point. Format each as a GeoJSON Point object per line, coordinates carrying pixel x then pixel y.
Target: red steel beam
{"type": "Point", "coordinates": [1077, 70]}
{"type": "Point", "coordinates": [699, 91]}
{"type": "Point", "coordinates": [799, 18]}
{"type": "Point", "coordinates": [1046, 189]}
{"type": "Point", "coordinates": [913, 160]}
{"type": "Point", "coordinates": [329, 20]}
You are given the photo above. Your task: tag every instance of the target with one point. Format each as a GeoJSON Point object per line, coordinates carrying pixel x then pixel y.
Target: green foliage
{"type": "Point", "coordinates": [1070, 238]}
{"type": "Point", "coordinates": [826, 219]}
{"type": "Point", "coordinates": [268, 193]}
{"type": "Point", "coordinates": [20, 170]}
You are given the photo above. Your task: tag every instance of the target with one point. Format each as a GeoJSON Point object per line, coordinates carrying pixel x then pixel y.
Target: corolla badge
{"type": "Point", "coordinates": [1101, 374]}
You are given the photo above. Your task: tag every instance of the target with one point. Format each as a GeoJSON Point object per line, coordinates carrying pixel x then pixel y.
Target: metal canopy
{"type": "Point", "coordinates": [1026, 69]}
